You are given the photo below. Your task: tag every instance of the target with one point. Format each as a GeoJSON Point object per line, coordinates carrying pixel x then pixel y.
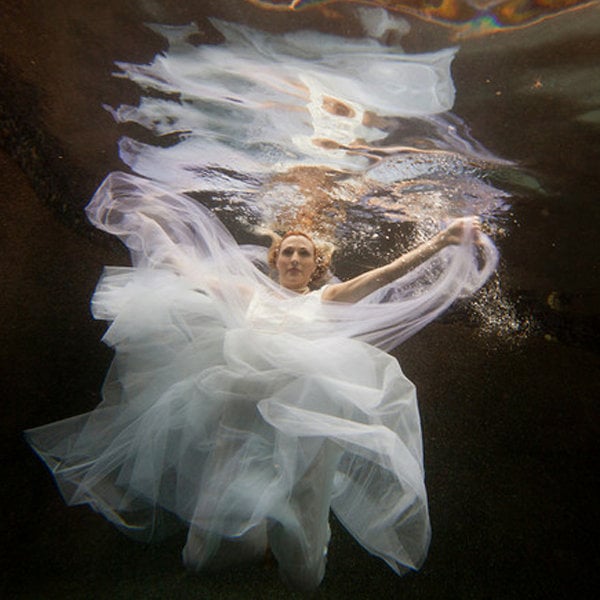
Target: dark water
{"type": "Point", "coordinates": [507, 386]}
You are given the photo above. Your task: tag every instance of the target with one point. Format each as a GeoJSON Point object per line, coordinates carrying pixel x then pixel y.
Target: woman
{"type": "Point", "coordinates": [245, 409]}
{"type": "Point", "coordinates": [296, 260]}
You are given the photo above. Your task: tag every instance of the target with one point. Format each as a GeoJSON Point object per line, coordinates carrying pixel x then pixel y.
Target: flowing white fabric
{"type": "Point", "coordinates": [246, 411]}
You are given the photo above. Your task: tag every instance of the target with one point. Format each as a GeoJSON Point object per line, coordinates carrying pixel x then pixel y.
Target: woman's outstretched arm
{"type": "Point", "coordinates": [357, 288]}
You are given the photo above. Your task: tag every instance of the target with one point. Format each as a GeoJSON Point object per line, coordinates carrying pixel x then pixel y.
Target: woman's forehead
{"type": "Point", "coordinates": [297, 241]}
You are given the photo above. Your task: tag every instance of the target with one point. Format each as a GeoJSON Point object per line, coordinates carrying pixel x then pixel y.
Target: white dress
{"type": "Point", "coordinates": [240, 410]}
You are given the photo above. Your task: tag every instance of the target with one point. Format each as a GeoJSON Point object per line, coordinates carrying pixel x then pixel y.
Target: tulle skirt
{"type": "Point", "coordinates": [245, 435]}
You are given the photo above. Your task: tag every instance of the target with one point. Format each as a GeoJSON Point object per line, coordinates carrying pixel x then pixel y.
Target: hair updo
{"type": "Point", "coordinates": [322, 253]}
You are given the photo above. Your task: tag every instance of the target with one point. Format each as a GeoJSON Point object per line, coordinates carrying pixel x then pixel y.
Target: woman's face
{"type": "Point", "coordinates": [295, 262]}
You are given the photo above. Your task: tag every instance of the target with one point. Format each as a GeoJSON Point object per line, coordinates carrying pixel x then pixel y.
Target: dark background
{"type": "Point", "coordinates": [510, 420]}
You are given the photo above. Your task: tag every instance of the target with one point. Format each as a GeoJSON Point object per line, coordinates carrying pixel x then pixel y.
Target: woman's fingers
{"type": "Point", "coordinates": [456, 231]}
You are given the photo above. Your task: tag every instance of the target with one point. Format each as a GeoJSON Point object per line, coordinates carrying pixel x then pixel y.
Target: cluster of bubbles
{"type": "Point", "coordinates": [497, 316]}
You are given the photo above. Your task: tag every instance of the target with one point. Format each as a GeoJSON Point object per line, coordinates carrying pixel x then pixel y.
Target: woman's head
{"type": "Point", "coordinates": [299, 261]}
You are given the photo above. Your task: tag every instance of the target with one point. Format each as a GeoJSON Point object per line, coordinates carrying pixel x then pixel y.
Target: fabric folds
{"type": "Point", "coordinates": [245, 412]}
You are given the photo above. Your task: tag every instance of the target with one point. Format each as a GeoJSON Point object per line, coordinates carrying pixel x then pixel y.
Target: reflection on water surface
{"type": "Point", "coordinates": [309, 129]}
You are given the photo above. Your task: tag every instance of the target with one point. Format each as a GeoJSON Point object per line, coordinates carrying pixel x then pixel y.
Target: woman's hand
{"type": "Point", "coordinates": [455, 232]}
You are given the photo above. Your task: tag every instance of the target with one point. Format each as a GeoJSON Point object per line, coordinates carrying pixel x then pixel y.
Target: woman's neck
{"type": "Point", "coordinates": [302, 290]}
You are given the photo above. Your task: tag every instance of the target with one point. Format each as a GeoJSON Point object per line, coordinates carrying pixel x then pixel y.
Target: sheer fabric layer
{"type": "Point", "coordinates": [241, 410]}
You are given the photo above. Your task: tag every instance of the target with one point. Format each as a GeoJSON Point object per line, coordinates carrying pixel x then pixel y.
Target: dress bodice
{"type": "Point", "coordinates": [269, 312]}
